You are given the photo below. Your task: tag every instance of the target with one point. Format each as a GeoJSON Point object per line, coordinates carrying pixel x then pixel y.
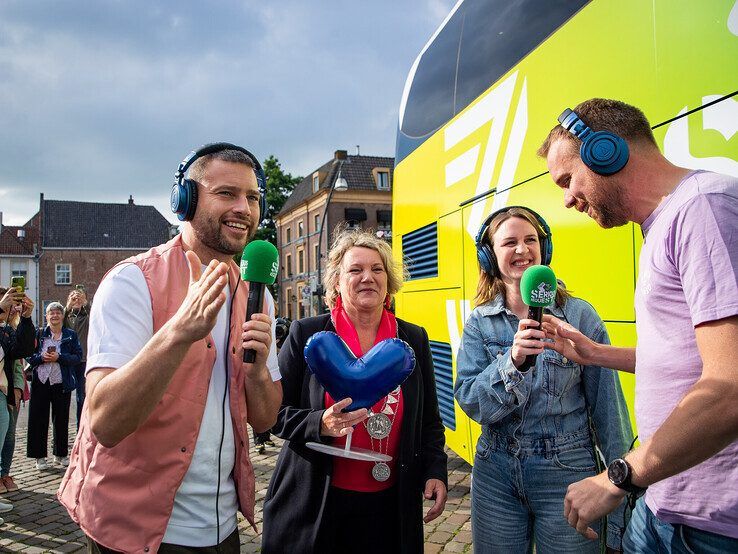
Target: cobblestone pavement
{"type": "Point", "coordinates": [38, 523]}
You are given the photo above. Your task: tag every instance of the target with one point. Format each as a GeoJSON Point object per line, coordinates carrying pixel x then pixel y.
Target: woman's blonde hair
{"type": "Point", "coordinates": [346, 239]}
{"type": "Point", "coordinates": [489, 286]}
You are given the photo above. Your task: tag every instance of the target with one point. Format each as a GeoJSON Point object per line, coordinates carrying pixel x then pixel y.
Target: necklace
{"type": "Point", "coordinates": [378, 426]}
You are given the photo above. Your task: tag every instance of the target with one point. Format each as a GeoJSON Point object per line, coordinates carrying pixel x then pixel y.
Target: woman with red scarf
{"type": "Point", "coordinates": [320, 503]}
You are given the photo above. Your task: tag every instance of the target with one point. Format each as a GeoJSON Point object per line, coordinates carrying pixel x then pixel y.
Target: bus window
{"type": "Point", "coordinates": [430, 102]}
{"type": "Point", "coordinates": [498, 34]}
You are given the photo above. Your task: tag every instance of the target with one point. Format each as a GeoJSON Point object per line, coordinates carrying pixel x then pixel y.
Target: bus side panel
{"type": "Point", "coordinates": [624, 334]}
{"type": "Point", "coordinates": [437, 304]}
{"type": "Point", "coordinates": [443, 331]}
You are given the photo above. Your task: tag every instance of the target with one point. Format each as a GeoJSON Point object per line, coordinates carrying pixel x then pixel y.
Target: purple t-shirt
{"type": "Point", "coordinates": [688, 275]}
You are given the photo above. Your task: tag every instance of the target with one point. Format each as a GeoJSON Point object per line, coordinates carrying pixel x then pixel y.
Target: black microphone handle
{"type": "Point", "coordinates": [253, 306]}
{"type": "Point", "coordinates": [534, 312]}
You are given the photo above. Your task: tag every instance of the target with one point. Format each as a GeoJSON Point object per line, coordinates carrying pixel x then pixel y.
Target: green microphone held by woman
{"type": "Point", "coordinates": [538, 289]}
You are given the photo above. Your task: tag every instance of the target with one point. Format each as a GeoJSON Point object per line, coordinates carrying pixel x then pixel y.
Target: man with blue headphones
{"type": "Point", "coordinates": [604, 157]}
{"type": "Point", "coordinates": [161, 461]}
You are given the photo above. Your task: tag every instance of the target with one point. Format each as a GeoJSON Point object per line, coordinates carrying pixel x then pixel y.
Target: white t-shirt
{"type": "Point", "coordinates": [121, 323]}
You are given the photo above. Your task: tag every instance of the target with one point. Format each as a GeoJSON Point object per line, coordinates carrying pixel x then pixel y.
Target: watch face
{"type": "Point", "coordinates": [618, 471]}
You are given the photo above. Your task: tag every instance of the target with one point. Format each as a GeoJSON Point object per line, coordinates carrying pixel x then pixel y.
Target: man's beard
{"type": "Point", "coordinates": [212, 237]}
{"type": "Point", "coordinates": [608, 206]}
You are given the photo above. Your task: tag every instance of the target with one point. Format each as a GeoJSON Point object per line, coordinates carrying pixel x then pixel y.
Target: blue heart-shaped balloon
{"type": "Point", "coordinates": [365, 380]}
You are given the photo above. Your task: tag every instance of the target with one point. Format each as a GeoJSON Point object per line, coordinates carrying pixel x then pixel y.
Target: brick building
{"type": "Point", "coordinates": [367, 203]}
{"type": "Point", "coordinates": [80, 241]}
{"type": "Point", "coordinates": [19, 254]}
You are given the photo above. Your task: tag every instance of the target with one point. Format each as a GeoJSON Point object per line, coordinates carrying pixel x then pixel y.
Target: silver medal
{"type": "Point", "coordinates": [378, 426]}
{"type": "Point", "coordinates": [381, 471]}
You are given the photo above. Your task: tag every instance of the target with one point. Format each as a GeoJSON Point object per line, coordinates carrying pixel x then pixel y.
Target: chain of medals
{"type": "Point", "coordinates": [379, 425]}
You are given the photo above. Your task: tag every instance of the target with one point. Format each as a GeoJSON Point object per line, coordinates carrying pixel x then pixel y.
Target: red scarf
{"type": "Point", "coordinates": [354, 474]}
{"type": "Point", "coordinates": [346, 330]}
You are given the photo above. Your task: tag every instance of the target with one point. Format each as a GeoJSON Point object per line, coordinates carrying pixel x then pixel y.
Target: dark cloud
{"type": "Point", "coordinates": [102, 99]}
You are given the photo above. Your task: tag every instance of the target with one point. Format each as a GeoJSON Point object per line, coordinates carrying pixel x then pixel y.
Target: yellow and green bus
{"type": "Point", "coordinates": [479, 100]}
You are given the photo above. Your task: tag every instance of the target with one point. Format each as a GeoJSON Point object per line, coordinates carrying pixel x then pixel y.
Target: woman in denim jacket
{"type": "Point", "coordinates": [539, 426]}
{"type": "Point", "coordinates": [57, 354]}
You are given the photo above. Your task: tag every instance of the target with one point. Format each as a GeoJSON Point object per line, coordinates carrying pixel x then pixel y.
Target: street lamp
{"type": "Point", "coordinates": [340, 185]}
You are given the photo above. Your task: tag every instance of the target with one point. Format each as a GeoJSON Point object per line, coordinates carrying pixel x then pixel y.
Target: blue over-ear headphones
{"type": "Point", "coordinates": [603, 152]}
{"type": "Point", "coordinates": [486, 254]}
{"type": "Point", "coordinates": [183, 198]}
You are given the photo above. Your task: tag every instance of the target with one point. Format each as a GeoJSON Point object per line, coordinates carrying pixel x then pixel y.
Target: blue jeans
{"type": "Point", "coordinates": [646, 534]}
{"type": "Point", "coordinates": [8, 446]}
{"type": "Point", "coordinates": [518, 494]}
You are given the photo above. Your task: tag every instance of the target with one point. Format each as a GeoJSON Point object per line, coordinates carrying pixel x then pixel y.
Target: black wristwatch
{"type": "Point", "coordinates": [620, 473]}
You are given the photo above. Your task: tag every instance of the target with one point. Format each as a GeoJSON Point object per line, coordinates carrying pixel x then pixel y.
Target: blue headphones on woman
{"type": "Point", "coordinates": [486, 254]}
{"type": "Point", "coordinates": [603, 152]}
{"type": "Point", "coordinates": [183, 198]}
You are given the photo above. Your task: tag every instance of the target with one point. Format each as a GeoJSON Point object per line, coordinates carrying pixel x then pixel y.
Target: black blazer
{"type": "Point", "coordinates": [295, 500]}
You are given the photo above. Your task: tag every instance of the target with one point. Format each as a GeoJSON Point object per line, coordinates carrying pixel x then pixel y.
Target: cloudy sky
{"type": "Point", "coordinates": [102, 99]}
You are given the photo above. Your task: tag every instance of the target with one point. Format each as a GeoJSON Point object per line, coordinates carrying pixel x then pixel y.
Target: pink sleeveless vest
{"type": "Point", "coordinates": [122, 497]}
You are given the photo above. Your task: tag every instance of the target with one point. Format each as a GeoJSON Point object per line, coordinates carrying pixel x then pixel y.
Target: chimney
{"type": "Point", "coordinates": [1, 222]}
{"type": "Point", "coordinates": [130, 200]}
{"type": "Point", "coordinates": [340, 155]}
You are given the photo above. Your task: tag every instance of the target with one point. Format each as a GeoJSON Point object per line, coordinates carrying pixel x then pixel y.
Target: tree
{"type": "Point", "coordinates": [279, 187]}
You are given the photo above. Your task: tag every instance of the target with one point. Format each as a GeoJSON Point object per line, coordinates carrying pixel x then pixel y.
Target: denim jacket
{"type": "Point", "coordinates": [70, 354]}
{"type": "Point", "coordinates": [547, 401]}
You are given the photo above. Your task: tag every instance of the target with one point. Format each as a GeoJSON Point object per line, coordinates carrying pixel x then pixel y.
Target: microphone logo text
{"type": "Point", "coordinates": [542, 294]}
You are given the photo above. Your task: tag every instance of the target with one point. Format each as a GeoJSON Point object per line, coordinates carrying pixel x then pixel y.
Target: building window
{"type": "Point", "coordinates": [384, 224]}
{"type": "Point", "coordinates": [300, 261]}
{"type": "Point", "coordinates": [300, 229]}
{"type": "Point", "coordinates": [18, 269]}
{"type": "Point", "coordinates": [288, 264]}
{"type": "Point", "coordinates": [63, 274]}
{"type": "Point", "coordinates": [316, 219]}
{"type": "Point", "coordinates": [300, 310]}
{"type": "Point", "coordinates": [383, 180]}
{"type": "Point", "coordinates": [316, 183]}
{"type": "Point", "coordinates": [288, 303]}
{"type": "Point", "coordinates": [316, 255]}
{"type": "Point", "coordinates": [288, 235]}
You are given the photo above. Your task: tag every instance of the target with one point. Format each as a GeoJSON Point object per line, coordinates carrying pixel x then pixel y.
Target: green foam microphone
{"type": "Point", "coordinates": [259, 266]}
{"type": "Point", "coordinates": [538, 289]}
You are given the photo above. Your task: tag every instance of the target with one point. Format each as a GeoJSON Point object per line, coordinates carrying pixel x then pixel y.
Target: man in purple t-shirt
{"type": "Point", "coordinates": [687, 325]}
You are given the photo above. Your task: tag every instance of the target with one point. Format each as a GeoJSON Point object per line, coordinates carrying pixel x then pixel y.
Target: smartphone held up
{"type": "Point", "coordinates": [18, 282]}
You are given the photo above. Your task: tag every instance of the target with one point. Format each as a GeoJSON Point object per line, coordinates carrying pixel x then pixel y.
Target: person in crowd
{"type": "Point", "coordinates": [57, 354]}
{"type": "Point", "coordinates": [281, 328]}
{"type": "Point", "coordinates": [605, 159]}
{"type": "Point", "coordinates": [323, 504]}
{"type": "Point", "coordinates": [542, 427]}
{"type": "Point", "coordinates": [77, 318]}
{"type": "Point", "coordinates": [161, 461]}
{"type": "Point", "coordinates": [17, 320]}
{"type": "Point", "coordinates": [15, 342]}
